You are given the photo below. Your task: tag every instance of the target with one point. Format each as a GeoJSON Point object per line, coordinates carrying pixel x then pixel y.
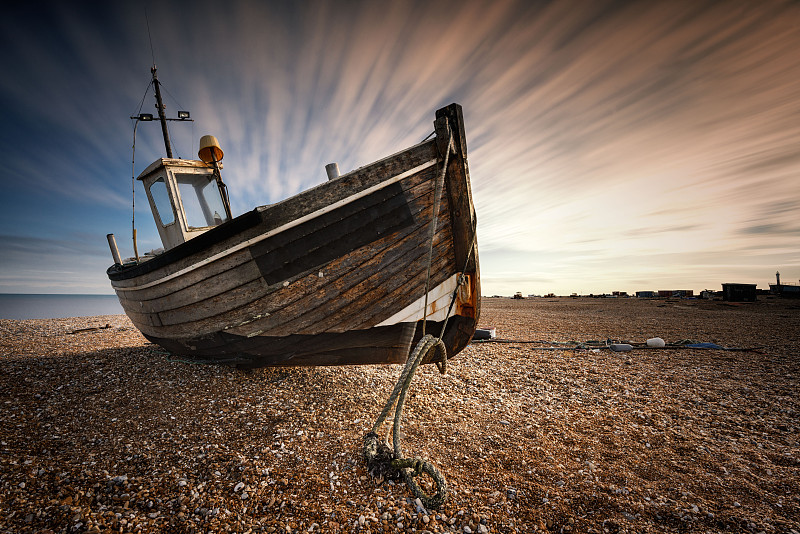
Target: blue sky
{"type": "Point", "coordinates": [612, 145]}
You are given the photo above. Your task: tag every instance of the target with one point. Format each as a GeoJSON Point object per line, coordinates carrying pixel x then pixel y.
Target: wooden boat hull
{"type": "Point", "coordinates": [332, 276]}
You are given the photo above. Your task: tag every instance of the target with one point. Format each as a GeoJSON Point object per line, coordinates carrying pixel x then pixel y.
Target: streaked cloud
{"type": "Point", "coordinates": [612, 145]}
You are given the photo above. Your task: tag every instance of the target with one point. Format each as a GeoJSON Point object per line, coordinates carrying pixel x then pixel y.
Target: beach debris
{"type": "Point", "coordinates": [620, 347]}
{"type": "Point", "coordinates": [90, 329]}
{"type": "Point", "coordinates": [485, 333]}
{"type": "Point", "coordinates": [655, 342]}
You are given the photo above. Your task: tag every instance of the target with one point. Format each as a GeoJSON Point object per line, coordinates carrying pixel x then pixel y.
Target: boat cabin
{"type": "Point", "coordinates": [186, 198]}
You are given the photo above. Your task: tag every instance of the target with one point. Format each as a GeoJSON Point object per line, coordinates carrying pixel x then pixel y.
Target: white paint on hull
{"type": "Point", "coordinates": [438, 303]}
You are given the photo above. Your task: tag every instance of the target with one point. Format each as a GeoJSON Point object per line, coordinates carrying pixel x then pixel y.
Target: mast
{"type": "Point", "coordinates": [161, 116]}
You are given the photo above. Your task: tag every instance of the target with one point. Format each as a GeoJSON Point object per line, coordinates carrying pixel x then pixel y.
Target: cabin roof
{"type": "Point", "coordinates": [172, 162]}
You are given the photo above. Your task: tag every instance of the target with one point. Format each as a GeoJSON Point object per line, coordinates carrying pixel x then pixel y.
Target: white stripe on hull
{"type": "Point", "coordinates": [438, 303]}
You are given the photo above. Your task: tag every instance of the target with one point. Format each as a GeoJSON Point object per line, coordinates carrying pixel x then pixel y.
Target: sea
{"type": "Point", "coordinates": [22, 306]}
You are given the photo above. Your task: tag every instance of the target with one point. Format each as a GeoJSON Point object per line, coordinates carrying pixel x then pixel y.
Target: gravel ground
{"type": "Point", "coordinates": [101, 432]}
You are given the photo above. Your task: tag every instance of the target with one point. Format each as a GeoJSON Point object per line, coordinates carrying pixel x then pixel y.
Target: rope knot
{"type": "Point", "coordinates": [380, 459]}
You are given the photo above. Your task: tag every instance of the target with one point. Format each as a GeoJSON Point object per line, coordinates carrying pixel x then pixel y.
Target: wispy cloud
{"type": "Point", "coordinates": [627, 140]}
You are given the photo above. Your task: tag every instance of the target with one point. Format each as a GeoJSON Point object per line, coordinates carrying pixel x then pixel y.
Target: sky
{"type": "Point", "coordinates": [613, 146]}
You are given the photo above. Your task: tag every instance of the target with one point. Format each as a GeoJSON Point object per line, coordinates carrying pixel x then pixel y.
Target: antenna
{"type": "Point", "coordinates": [150, 37]}
{"type": "Point", "coordinates": [157, 86]}
{"type": "Point", "coordinates": [160, 107]}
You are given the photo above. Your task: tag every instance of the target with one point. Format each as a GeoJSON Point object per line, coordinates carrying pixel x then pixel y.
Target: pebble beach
{"type": "Point", "coordinates": [101, 431]}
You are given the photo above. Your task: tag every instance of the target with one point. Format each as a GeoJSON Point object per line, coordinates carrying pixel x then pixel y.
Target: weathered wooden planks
{"type": "Point", "coordinates": [190, 305]}
{"type": "Point", "coordinates": [307, 304]}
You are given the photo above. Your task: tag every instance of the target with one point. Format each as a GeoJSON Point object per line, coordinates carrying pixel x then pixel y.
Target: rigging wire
{"type": "Point", "coordinates": [133, 186]}
{"type": "Point", "coordinates": [141, 103]}
{"type": "Point", "coordinates": [170, 95]}
{"type": "Point", "coordinates": [133, 167]}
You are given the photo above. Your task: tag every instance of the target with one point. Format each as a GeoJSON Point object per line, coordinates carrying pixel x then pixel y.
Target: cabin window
{"type": "Point", "coordinates": [160, 196]}
{"type": "Point", "coordinates": [201, 199]}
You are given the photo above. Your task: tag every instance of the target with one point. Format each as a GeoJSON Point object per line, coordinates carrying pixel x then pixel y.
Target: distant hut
{"type": "Point", "coordinates": [739, 292]}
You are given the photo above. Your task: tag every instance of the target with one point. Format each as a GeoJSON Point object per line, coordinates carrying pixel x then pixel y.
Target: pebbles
{"type": "Point", "coordinates": [100, 432]}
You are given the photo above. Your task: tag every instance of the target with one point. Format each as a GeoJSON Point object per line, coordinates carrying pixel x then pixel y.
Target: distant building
{"type": "Point", "coordinates": [676, 293]}
{"type": "Point", "coordinates": [784, 290]}
{"type": "Point", "coordinates": [645, 294]}
{"type": "Point", "coordinates": [739, 292]}
{"type": "Point", "coordinates": [791, 291]}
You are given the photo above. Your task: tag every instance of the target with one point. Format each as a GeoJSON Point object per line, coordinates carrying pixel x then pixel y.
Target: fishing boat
{"type": "Point", "coordinates": [352, 271]}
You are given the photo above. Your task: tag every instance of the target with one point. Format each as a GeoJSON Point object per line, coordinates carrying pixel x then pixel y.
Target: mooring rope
{"type": "Point", "coordinates": [386, 463]}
